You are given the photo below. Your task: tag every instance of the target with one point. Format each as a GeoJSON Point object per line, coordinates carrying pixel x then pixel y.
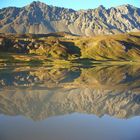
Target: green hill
{"type": "Point", "coordinates": [64, 46]}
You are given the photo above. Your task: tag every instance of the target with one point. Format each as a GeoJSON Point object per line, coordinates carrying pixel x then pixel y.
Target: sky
{"type": "Point", "coordinates": [74, 4]}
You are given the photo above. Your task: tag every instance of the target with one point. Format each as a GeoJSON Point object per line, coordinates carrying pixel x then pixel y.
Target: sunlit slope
{"type": "Point", "coordinates": [63, 46]}
{"type": "Point", "coordinates": [111, 47]}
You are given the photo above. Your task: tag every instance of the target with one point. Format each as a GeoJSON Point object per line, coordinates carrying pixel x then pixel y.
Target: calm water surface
{"type": "Point", "coordinates": [49, 103]}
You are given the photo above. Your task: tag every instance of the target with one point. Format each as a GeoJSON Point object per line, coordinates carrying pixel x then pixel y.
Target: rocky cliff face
{"type": "Point", "coordinates": [40, 18]}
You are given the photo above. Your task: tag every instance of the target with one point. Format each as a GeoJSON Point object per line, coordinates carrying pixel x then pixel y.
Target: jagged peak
{"type": "Point", "coordinates": [128, 6]}
{"type": "Point", "coordinates": [37, 4]}
{"type": "Point", "coordinates": [101, 7]}
{"type": "Point", "coordinates": [44, 5]}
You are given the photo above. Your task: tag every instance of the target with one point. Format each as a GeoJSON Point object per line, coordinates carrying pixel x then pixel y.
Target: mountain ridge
{"type": "Point", "coordinates": [40, 18]}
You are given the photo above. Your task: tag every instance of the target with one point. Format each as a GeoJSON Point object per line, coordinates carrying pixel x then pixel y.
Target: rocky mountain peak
{"type": "Point", "coordinates": [101, 7]}
{"type": "Point", "coordinates": [127, 8]}
{"type": "Point", "coordinates": [37, 3]}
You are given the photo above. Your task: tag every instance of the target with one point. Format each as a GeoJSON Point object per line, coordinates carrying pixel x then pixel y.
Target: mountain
{"type": "Point", "coordinates": [40, 18]}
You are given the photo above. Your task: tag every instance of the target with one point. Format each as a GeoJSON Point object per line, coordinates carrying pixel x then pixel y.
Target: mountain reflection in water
{"type": "Point", "coordinates": [42, 92]}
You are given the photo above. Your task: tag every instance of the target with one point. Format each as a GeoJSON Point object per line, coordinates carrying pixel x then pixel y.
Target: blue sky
{"type": "Point", "coordinates": [74, 4]}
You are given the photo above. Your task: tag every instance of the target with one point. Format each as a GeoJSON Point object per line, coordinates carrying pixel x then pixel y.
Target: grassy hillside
{"type": "Point", "coordinates": [63, 46]}
{"type": "Point", "coordinates": [111, 47]}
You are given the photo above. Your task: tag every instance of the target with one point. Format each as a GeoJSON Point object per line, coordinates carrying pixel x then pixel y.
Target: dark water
{"type": "Point", "coordinates": [49, 103]}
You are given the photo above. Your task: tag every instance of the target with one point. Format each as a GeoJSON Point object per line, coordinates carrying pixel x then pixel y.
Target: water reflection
{"type": "Point", "coordinates": [40, 93]}
{"type": "Point", "coordinates": [124, 77]}
{"type": "Point", "coordinates": [36, 76]}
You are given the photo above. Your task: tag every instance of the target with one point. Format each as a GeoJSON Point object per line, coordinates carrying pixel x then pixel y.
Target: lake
{"type": "Point", "coordinates": [100, 102]}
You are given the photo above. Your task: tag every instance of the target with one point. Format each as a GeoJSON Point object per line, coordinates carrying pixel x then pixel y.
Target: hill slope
{"type": "Point", "coordinates": [121, 47]}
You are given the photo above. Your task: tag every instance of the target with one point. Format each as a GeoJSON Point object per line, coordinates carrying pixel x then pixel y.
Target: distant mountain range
{"type": "Point", "coordinates": [40, 18]}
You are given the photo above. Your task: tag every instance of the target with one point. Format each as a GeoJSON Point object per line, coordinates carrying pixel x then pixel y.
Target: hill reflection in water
{"type": "Point", "coordinates": [42, 92]}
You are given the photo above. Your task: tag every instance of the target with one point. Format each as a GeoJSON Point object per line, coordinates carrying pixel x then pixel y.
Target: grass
{"type": "Point", "coordinates": [121, 48]}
